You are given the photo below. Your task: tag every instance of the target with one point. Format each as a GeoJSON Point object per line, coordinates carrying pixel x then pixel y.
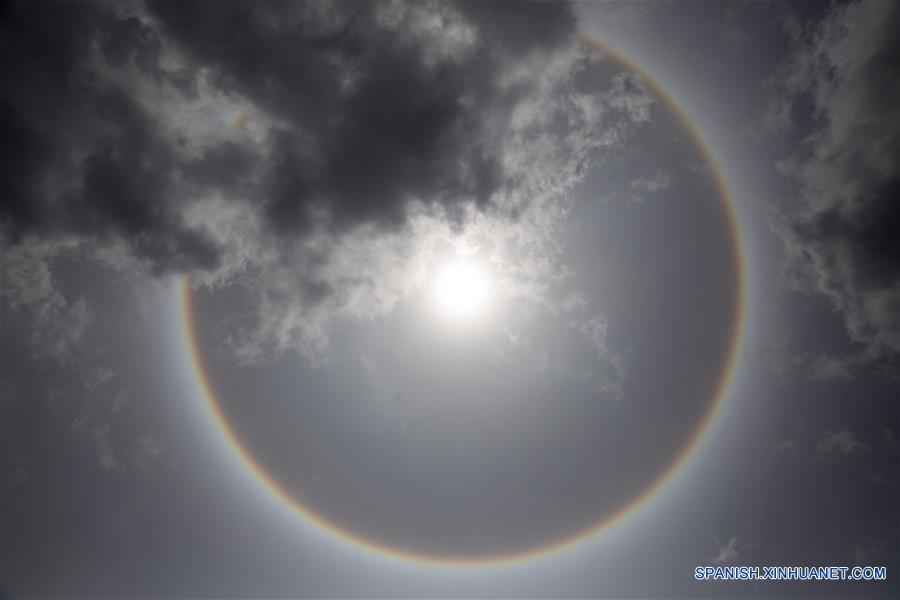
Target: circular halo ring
{"type": "Point", "coordinates": [736, 336]}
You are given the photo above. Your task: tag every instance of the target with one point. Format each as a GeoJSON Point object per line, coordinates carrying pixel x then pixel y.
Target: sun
{"type": "Point", "coordinates": [460, 290]}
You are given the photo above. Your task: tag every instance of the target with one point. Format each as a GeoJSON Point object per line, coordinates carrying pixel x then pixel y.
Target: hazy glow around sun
{"type": "Point", "coordinates": [460, 289]}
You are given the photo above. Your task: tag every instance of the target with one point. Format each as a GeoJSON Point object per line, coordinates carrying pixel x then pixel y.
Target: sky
{"type": "Point", "coordinates": [507, 299]}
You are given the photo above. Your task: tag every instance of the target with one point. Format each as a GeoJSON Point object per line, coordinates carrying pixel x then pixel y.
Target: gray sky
{"type": "Point", "coordinates": [464, 288]}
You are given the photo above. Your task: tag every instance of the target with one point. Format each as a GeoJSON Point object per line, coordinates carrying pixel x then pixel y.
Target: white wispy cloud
{"type": "Point", "coordinates": [839, 443]}
{"type": "Point", "coordinates": [727, 552]}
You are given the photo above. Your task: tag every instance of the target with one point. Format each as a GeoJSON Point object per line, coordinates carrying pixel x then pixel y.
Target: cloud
{"type": "Point", "coordinates": [56, 325]}
{"type": "Point", "coordinates": [317, 161]}
{"type": "Point", "coordinates": [839, 443]}
{"type": "Point", "coordinates": [659, 180]}
{"type": "Point", "coordinates": [889, 440]}
{"type": "Point", "coordinates": [728, 551]}
{"type": "Point", "coordinates": [610, 367]}
{"type": "Point", "coordinates": [825, 368]}
{"type": "Point", "coordinates": [147, 451]}
{"type": "Point", "coordinates": [87, 158]}
{"type": "Point", "coordinates": [787, 445]}
{"type": "Point", "coordinates": [838, 96]}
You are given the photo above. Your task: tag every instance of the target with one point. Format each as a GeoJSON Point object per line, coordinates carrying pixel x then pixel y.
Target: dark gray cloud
{"type": "Point", "coordinates": [235, 140]}
{"type": "Point", "coordinates": [365, 125]}
{"type": "Point", "coordinates": [839, 96]}
{"type": "Point", "coordinates": [85, 159]}
{"type": "Point", "coordinates": [367, 114]}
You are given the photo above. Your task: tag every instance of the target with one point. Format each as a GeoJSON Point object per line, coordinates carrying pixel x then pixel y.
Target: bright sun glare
{"type": "Point", "coordinates": [460, 290]}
